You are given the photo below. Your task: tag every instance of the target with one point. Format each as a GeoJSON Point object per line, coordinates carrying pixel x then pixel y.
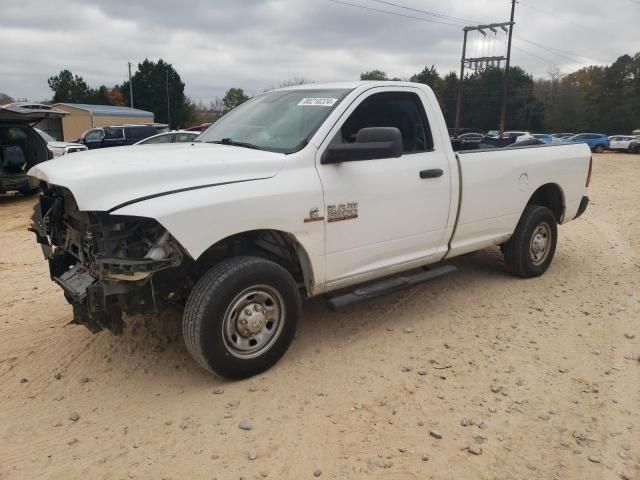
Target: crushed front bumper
{"type": "Point", "coordinates": [104, 264]}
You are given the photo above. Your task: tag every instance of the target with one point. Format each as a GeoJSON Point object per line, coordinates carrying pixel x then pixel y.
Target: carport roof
{"type": "Point", "coordinates": [109, 110]}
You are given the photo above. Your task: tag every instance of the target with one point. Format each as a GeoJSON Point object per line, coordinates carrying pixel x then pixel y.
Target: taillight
{"type": "Point", "coordinates": [590, 169]}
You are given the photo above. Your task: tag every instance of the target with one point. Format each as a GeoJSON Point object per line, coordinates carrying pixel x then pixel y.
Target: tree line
{"type": "Point", "coordinates": [595, 98]}
{"type": "Point", "coordinates": [157, 87]}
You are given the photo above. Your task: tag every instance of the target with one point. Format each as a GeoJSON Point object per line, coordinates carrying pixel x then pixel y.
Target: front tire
{"type": "Point", "coordinates": [241, 317]}
{"type": "Point", "coordinates": [530, 250]}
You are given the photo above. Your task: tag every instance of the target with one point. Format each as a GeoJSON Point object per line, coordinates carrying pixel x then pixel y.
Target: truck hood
{"type": "Point", "coordinates": [102, 180]}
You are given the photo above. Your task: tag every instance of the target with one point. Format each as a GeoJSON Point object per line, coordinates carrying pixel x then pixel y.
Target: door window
{"type": "Point", "coordinates": [402, 110]}
{"type": "Point", "coordinates": [113, 134]}
{"type": "Point", "coordinates": [185, 137]}
{"type": "Point", "coordinates": [94, 136]}
{"type": "Point", "coordinates": [138, 133]}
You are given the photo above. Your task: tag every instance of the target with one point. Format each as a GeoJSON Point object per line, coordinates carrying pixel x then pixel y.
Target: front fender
{"type": "Point", "coordinates": [201, 218]}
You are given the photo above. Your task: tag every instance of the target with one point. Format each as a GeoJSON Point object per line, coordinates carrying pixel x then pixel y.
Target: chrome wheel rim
{"type": "Point", "coordinates": [253, 321]}
{"type": "Point", "coordinates": [540, 243]}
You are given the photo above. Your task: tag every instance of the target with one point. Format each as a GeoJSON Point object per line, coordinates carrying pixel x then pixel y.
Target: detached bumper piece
{"type": "Point", "coordinates": [75, 282]}
{"type": "Point", "coordinates": [583, 207]}
{"type": "Point", "coordinates": [88, 296]}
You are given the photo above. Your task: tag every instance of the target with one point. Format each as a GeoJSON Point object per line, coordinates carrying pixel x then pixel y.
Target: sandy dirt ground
{"type": "Point", "coordinates": [544, 371]}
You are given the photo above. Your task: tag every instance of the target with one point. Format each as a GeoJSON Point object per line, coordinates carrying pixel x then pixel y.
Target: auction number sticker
{"type": "Point", "coordinates": [317, 102]}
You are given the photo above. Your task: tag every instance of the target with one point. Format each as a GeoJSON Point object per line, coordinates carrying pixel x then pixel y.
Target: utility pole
{"type": "Point", "coordinates": [460, 86]}
{"type": "Point", "coordinates": [130, 86]}
{"type": "Point", "coordinates": [483, 62]}
{"type": "Point", "coordinates": [505, 95]}
{"type": "Point", "coordinates": [168, 105]}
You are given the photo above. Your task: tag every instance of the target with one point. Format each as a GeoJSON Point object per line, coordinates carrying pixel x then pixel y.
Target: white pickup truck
{"type": "Point", "coordinates": [299, 192]}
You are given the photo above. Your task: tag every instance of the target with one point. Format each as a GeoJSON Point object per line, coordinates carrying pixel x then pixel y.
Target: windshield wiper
{"type": "Point", "coordinates": [229, 141]}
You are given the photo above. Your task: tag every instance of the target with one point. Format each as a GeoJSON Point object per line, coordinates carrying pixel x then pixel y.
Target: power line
{"type": "Point", "coordinates": [340, 2]}
{"type": "Point", "coordinates": [461, 22]}
{"type": "Point", "coordinates": [549, 50]}
{"type": "Point", "coordinates": [527, 52]}
{"type": "Point", "coordinates": [563, 53]}
{"type": "Point", "coordinates": [555, 51]}
{"type": "Point", "coordinates": [395, 13]}
{"type": "Point", "coordinates": [426, 12]}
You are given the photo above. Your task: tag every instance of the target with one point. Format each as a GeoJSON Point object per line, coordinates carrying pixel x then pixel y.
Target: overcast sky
{"type": "Point", "coordinates": [256, 44]}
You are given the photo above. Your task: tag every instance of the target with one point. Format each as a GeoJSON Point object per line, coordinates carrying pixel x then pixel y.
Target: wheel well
{"type": "Point", "coordinates": [550, 196]}
{"type": "Point", "coordinates": [277, 246]}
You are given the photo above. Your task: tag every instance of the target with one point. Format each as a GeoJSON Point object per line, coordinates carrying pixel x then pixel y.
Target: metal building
{"type": "Point", "coordinates": [81, 117]}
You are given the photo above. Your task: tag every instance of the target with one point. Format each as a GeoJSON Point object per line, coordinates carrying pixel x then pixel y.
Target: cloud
{"type": "Point", "coordinates": [255, 44]}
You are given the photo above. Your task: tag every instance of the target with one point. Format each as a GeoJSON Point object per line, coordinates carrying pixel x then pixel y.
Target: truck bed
{"type": "Point", "coordinates": [496, 185]}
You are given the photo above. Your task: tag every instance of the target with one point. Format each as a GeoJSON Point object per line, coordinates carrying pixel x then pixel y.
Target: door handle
{"type": "Point", "coordinates": [435, 173]}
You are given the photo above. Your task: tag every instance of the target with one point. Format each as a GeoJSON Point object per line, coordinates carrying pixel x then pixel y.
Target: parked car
{"type": "Point", "coordinates": [597, 142]}
{"type": "Point", "coordinates": [178, 136]}
{"type": "Point", "coordinates": [300, 192]}
{"type": "Point", "coordinates": [620, 143]}
{"type": "Point", "coordinates": [119, 135]}
{"type": "Point", "coordinates": [634, 146]}
{"type": "Point", "coordinates": [544, 137]}
{"type": "Point", "coordinates": [21, 147]}
{"type": "Point", "coordinates": [562, 135]}
{"type": "Point", "coordinates": [475, 138]}
{"type": "Point", "coordinates": [58, 148]}
{"type": "Point", "coordinates": [199, 128]}
{"type": "Point", "coordinates": [516, 134]}
{"type": "Point", "coordinates": [547, 138]}
{"type": "Point", "coordinates": [493, 133]}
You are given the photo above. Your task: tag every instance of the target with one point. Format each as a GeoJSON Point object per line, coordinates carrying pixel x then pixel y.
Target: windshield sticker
{"type": "Point", "coordinates": [317, 102]}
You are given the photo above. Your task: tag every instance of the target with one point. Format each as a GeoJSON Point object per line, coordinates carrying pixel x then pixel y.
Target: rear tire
{"type": "Point", "coordinates": [241, 317]}
{"type": "Point", "coordinates": [530, 250]}
{"type": "Point", "coordinates": [599, 149]}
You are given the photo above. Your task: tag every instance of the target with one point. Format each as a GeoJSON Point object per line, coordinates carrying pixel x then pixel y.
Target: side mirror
{"type": "Point", "coordinates": [371, 144]}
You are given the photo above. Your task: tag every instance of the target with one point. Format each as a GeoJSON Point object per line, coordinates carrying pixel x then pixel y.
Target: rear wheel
{"type": "Point", "coordinates": [599, 149]}
{"type": "Point", "coordinates": [530, 250]}
{"type": "Point", "coordinates": [241, 317]}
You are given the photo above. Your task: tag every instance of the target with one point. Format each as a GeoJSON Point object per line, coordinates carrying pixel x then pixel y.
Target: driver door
{"type": "Point", "coordinates": [387, 214]}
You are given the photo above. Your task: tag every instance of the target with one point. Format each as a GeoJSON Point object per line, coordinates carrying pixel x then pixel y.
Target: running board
{"type": "Point", "coordinates": [387, 286]}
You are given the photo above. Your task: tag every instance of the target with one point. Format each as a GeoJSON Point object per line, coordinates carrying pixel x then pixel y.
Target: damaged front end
{"type": "Point", "coordinates": [106, 264]}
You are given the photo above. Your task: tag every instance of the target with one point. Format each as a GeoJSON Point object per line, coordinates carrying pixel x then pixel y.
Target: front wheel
{"type": "Point", "coordinates": [530, 250]}
{"type": "Point", "coordinates": [599, 149]}
{"type": "Point", "coordinates": [241, 317]}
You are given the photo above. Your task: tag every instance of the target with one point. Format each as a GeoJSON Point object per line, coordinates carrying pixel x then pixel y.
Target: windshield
{"type": "Point", "coordinates": [47, 138]}
{"type": "Point", "coordinates": [279, 121]}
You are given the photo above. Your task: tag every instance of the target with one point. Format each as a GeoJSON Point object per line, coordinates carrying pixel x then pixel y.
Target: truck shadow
{"type": "Point", "coordinates": [155, 342]}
